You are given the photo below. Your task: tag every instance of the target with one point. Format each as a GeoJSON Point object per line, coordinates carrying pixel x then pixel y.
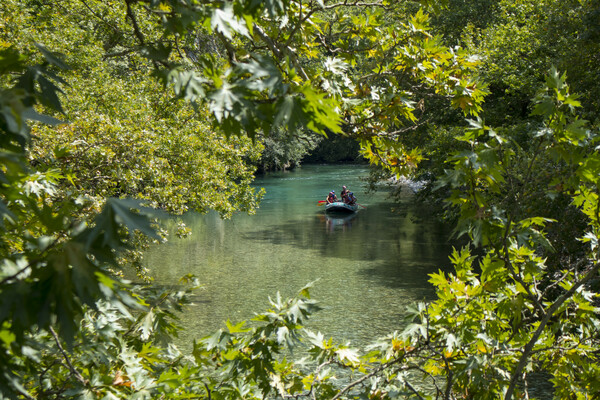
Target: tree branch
{"type": "Point", "coordinates": [118, 54]}
{"type": "Point", "coordinates": [228, 48]}
{"type": "Point", "coordinates": [300, 23]}
{"type": "Point", "coordinates": [365, 377]}
{"type": "Point", "coordinates": [95, 14]}
{"type": "Point", "coordinates": [66, 357]}
{"type": "Point", "coordinates": [136, 28]}
{"type": "Point", "coordinates": [15, 275]}
{"type": "Point", "coordinates": [278, 52]}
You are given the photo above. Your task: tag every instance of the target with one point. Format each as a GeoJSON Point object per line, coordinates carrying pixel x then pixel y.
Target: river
{"type": "Point", "coordinates": [367, 268]}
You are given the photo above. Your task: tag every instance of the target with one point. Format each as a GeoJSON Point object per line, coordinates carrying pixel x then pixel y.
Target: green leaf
{"type": "Point", "coordinates": [349, 355]}
{"type": "Point", "coordinates": [438, 280]}
{"type": "Point", "coordinates": [7, 337]}
{"type": "Point", "coordinates": [156, 52]}
{"type": "Point", "coordinates": [577, 131]}
{"type": "Point", "coordinates": [217, 341]}
{"type": "Point", "coordinates": [236, 328]}
{"type": "Point", "coordinates": [544, 107]}
{"type": "Point", "coordinates": [321, 112]}
{"type": "Point", "coordinates": [31, 114]}
{"type": "Point", "coordinates": [11, 61]}
{"type": "Point", "coordinates": [554, 80]}
{"type": "Point", "coordinates": [147, 325]}
{"type": "Point", "coordinates": [264, 75]}
{"type": "Point", "coordinates": [134, 221]}
{"type": "Point", "coordinates": [289, 112]}
{"type": "Point", "coordinates": [305, 291]}
{"type": "Point", "coordinates": [6, 214]}
{"type": "Point", "coordinates": [170, 378]}
{"type": "Point", "coordinates": [335, 65]}
{"type": "Point", "coordinates": [49, 94]}
{"type": "Point", "coordinates": [589, 169]}
{"type": "Point", "coordinates": [452, 342]}
{"type": "Point", "coordinates": [226, 101]}
{"type": "Point", "coordinates": [224, 21]}
{"type": "Point", "coordinates": [187, 84]}
{"type": "Point", "coordinates": [53, 58]}
{"type": "Point", "coordinates": [316, 339]}
{"type": "Point", "coordinates": [283, 334]}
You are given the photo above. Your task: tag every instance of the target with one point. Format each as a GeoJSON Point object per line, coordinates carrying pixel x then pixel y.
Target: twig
{"type": "Point", "coordinates": [559, 280]}
{"type": "Point", "coordinates": [207, 391]}
{"type": "Point", "coordinates": [178, 49]}
{"type": "Point", "coordinates": [95, 14]}
{"type": "Point", "coordinates": [278, 52]}
{"type": "Point", "coordinates": [118, 54]}
{"type": "Point", "coordinates": [15, 275]}
{"type": "Point", "coordinates": [414, 390]}
{"type": "Point", "coordinates": [407, 129]}
{"type": "Point", "coordinates": [31, 262]}
{"type": "Point", "coordinates": [136, 28]}
{"type": "Point", "coordinates": [66, 357]}
{"type": "Point", "coordinates": [449, 373]}
{"type": "Point", "coordinates": [301, 21]}
{"type": "Point", "coordinates": [313, 392]}
{"type": "Point", "coordinates": [228, 48]}
{"type": "Point", "coordinates": [368, 376]}
{"type": "Point", "coordinates": [41, 377]}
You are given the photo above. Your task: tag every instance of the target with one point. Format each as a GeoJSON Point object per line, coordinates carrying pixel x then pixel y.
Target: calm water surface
{"type": "Point", "coordinates": [368, 267]}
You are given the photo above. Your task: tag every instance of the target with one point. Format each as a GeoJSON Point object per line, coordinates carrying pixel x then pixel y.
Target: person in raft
{"type": "Point", "coordinates": [344, 194]}
{"type": "Point", "coordinates": [331, 197]}
{"type": "Point", "coordinates": [351, 198]}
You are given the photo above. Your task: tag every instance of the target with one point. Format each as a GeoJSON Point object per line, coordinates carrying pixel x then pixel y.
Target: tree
{"type": "Point", "coordinates": [531, 315]}
{"type": "Point", "coordinates": [284, 150]}
{"type": "Point", "coordinates": [125, 137]}
{"type": "Point", "coordinates": [518, 40]}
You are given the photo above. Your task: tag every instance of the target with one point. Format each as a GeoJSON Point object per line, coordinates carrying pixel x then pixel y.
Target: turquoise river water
{"type": "Point", "coordinates": [367, 268]}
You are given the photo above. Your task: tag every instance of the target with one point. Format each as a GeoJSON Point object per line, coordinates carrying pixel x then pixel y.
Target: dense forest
{"type": "Point", "coordinates": [118, 114]}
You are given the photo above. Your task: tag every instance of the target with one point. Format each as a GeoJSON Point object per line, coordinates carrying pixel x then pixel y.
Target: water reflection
{"type": "Point", "coordinates": [337, 221]}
